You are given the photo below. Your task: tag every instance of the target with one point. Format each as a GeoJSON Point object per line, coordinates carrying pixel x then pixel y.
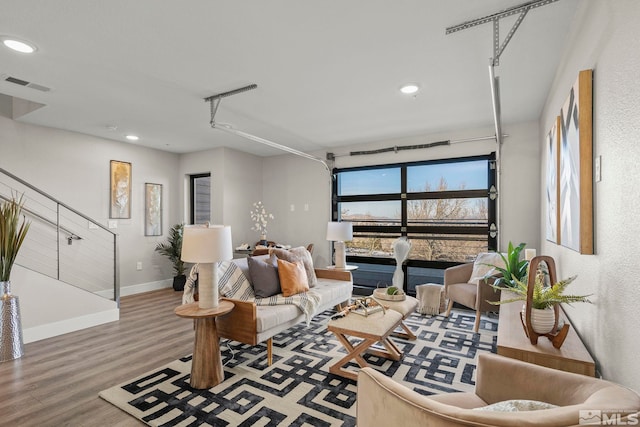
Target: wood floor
{"type": "Point", "coordinates": [57, 381]}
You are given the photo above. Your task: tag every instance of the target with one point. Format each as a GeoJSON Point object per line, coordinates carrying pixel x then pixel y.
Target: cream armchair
{"type": "Point", "coordinates": [457, 288]}
{"type": "Point", "coordinates": [384, 402]}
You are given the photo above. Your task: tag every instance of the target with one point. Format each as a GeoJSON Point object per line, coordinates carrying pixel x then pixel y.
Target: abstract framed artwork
{"type": "Point", "coordinates": [152, 209]}
{"type": "Point", "coordinates": [553, 194]}
{"type": "Point", "coordinates": [576, 166]}
{"type": "Point", "coordinates": [120, 190]}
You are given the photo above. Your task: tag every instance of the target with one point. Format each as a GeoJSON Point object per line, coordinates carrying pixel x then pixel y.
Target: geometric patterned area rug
{"type": "Point", "coordinates": [297, 389]}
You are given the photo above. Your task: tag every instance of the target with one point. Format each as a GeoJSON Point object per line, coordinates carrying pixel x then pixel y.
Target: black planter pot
{"type": "Point", "coordinates": [178, 282]}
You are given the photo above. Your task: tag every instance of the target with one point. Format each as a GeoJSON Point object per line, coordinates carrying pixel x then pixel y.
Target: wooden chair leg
{"type": "Point", "coordinates": [270, 351]}
{"type": "Point", "coordinates": [476, 325]}
{"type": "Point", "coordinates": [449, 307]}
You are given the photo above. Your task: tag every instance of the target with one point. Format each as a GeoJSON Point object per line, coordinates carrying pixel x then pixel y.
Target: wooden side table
{"type": "Point", "coordinates": [206, 363]}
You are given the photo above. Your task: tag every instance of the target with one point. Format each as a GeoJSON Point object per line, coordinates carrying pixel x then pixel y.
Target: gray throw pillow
{"type": "Point", "coordinates": [299, 254]}
{"type": "Point", "coordinates": [264, 277]}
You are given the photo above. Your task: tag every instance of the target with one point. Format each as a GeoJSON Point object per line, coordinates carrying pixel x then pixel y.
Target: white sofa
{"type": "Point", "coordinates": [252, 324]}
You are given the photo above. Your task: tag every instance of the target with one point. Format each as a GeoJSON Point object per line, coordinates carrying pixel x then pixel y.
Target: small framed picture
{"type": "Point", "coordinates": [152, 209]}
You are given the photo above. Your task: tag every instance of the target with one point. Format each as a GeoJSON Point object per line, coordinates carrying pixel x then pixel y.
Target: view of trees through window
{"type": "Point", "coordinates": [442, 207]}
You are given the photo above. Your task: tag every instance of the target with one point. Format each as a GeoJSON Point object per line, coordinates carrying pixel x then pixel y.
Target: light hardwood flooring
{"type": "Point", "coordinates": [57, 381]}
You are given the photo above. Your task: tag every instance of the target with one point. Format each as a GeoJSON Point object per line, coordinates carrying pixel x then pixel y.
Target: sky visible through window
{"type": "Point", "coordinates": [469, 175]}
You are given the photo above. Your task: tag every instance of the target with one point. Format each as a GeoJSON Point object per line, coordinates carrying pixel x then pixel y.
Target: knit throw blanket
{"type": "Point", "coordinates": [233, 284]}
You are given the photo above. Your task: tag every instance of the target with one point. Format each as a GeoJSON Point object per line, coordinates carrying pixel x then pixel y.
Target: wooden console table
{"type": "Point", "coordinates": [514, 343]}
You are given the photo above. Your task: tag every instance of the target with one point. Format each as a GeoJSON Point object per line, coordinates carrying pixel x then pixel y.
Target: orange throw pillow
{"type": "Point", "coordinates": [293, 277]}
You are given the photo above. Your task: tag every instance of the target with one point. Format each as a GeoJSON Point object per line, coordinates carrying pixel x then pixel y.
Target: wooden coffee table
{"type": "Point", "coordinates": [206, 362]}
{"type": "Point", "coordinates": [371, 329]}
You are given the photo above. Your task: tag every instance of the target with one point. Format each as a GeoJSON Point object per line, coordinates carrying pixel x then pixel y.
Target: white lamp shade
{"type": "Point", "coordinates": [201, 244]}
{"type": "Point", "coordinates": [340, 231]}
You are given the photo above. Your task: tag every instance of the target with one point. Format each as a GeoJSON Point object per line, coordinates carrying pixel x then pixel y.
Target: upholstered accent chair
{"type": "Point", "coordinates": [465, 284]}
{"type": "Point", "coordinates": [573, 398]}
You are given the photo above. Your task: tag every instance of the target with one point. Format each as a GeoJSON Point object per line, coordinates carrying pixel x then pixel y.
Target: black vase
{"type": "Point", "coordinates": [179, 282]}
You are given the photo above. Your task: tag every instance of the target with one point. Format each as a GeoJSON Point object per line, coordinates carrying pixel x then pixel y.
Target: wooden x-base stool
{"type": "Point", "coordinates": [371, 329]}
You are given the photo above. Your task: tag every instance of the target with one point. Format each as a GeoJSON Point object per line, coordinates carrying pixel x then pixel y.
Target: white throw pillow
{"type": "Point", "coordinates": [232, 282]}
{"type": "Point", "coordinates": [517, 406]}
{"type": "Point", "coordinates": [482, 266]}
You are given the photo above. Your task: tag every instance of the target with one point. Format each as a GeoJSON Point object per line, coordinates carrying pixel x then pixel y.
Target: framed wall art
{"type": "Point", "coordinates": [120, 190]}
{"type": "Point", "coordinates": [576, 166]}
{"type": "Point", "coordinates": [152, 209]}
{"type": "Point", "coordinates": [553, 194]}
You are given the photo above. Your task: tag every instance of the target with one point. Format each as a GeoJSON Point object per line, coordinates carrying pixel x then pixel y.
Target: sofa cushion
{"type": "Point", "coordinates": [263, 275]}
{"type": "Point", "coordinates": [331, 292]}
{"type": "Point", "coordinates": [516, 406]}
{"type": "Point", "coordinates": [293, 277]}
{"type": "Point", "coordinates": [300, 253]}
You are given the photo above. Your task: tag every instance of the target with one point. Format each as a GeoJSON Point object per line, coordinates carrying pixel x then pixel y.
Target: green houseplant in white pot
{"type": "Point", "coordinates": [172, 249]}
{"type": "Point", "coordinates": [12, 235]}
{"type": "Point", "coordinates": [545, 298]}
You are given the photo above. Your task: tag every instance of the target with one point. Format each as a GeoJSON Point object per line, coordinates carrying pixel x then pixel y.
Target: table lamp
{"type": "Point", "coordinates": [207, 246]}
{"type": "Point", "coordinates": [340, 232]}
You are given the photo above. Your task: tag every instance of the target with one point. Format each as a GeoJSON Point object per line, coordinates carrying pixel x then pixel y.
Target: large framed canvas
{"type": "Point", "coordinates": [120, 190]}
{"type": "Point", "coordinates": [152, 209]}
{"type": "Point", "coordinates": [553, 193]}
{"type": "Point", "coordinates": [576, 166]}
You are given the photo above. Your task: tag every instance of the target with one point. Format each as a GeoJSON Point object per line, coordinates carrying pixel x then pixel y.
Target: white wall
{"type": "Point", "coordinates": [606, 38]}
{"type": "Point", "coordinates": [236, 182]}
{"type": "Point", "coordinates": [74, 168]}
{"type": "Point", "coordinates": [291, 180]}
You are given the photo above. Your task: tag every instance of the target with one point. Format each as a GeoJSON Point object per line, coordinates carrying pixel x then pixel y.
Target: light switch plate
{"type": "Point", "coordinates": [113, 223]}
{"type": "Point", "coordinates": [598, 171]}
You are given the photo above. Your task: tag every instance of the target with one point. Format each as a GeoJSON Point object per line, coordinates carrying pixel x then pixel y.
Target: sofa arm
{"type": "Point", "coordinates": [384, 402]}
{"type": "Point", "coordinates": [240, 324]}
{"type": "Point", "coordinates": [323, 273]}
{"type": "Point", "coordinates": [487, 293]}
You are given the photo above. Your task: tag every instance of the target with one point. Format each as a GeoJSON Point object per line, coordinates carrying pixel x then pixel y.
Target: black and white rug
{"type": "Point", "coordinates": [297, 389]}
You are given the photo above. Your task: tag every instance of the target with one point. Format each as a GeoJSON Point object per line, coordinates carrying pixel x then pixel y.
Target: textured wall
{"type": "Point", "coordinates": [606, 38]}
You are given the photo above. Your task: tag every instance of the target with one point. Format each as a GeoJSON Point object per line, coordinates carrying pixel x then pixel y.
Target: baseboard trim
{"type": "Point", "coordinates": [138, 288]}
{"type": "Point", "coordinates": [61, 327]}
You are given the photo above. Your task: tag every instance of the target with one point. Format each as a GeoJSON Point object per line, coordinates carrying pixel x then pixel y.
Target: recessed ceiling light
{"type": "Point", "coordinates": [18, 45]}
{"type": "Point", "coordinates": [410, 88]}
{"type": "Point", "coordinates": [132, 137]}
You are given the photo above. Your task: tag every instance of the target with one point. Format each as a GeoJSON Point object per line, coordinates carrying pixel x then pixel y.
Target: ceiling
{"type": "Point", "coordinates": [328, 72]}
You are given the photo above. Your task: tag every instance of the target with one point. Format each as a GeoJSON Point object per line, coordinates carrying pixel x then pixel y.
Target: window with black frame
{"type": "Point", "coordinates": [443, 207]}
{"type": "Point", "coordinates": [200, 198]}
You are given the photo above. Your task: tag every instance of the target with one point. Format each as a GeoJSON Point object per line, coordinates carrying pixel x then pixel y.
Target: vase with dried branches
{"type": "Point", "coordinates": [12, 234]}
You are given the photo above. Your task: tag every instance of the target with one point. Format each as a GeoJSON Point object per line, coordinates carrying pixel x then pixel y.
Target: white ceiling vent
{"type": "Point", "coordinates": [26, 83]}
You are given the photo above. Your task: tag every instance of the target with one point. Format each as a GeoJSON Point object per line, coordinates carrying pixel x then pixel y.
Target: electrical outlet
{"type": "Point", "coordinates": [139, 265]}
{"type": "Point", "coordinates": [293, 208]}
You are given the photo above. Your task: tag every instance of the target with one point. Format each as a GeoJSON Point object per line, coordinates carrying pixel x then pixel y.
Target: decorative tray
{"type": "Point", "coordinates": [381, 293]}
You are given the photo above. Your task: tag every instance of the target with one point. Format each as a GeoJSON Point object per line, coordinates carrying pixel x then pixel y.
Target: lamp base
{"type": "Point", "coordinates": [340, 255]}
{"type": "Point", "coordinates": [207, 285]}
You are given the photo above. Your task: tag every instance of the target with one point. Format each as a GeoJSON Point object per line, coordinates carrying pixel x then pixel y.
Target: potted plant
{"type": "Point", "coordinates": [12, 235]}
{"type": "Point", "coordinates": [544, 299]}
{"type": "Point", "coordinates": [514, 268]}
{"type": "Point", "coordinates": [172, 249]}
